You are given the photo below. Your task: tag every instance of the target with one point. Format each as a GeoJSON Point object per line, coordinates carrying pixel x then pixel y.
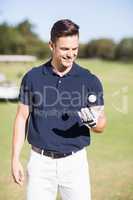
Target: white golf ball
{"type": "Point", "coordinates": [92, 98]}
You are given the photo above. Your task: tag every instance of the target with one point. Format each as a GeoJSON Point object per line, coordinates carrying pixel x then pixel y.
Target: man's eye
{"type": "Point", "coordinates": [74, 49]}
{"type": "Point", "coordinates": [64, 49]}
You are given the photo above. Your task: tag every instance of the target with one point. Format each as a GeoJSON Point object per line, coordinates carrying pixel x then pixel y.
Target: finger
{"type": "Point", "coordinates": [18, 178]}
{"type": "Point", "coordinates": [92, 123]}
{"type": "Point", "coordinates": [92, 112]}
{"type": "Point", "coordinates": [83, 114]}
{"type": "Point", "coordinates": [19, 181]}
{"type": "Point", "coordinates": [87, 113]}
{"type": "Point", "coordinates": [21, 173]}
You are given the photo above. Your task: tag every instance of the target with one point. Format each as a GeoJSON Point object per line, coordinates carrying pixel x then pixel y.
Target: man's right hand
{"type": "Point", "coordinates": [17, 172]}
{"type": "Point", "coordinates": [17, 143]}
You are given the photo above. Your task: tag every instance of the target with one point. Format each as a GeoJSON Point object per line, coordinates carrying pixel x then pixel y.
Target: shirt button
{"type": "Point", "coordinates": [59, 81]}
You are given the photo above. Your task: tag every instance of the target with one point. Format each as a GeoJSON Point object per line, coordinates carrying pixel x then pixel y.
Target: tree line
{"type": "Point", "coordinates": [22, 39]}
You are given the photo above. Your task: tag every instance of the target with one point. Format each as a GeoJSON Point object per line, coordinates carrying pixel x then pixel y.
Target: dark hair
{"type": "Point", "coordinates": [64, 27]}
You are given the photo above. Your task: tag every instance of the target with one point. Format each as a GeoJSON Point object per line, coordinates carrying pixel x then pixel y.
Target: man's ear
{"type": "Point", "coordinates": [51, 45]}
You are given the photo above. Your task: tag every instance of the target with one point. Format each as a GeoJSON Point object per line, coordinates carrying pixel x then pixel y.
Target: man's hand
{"type": "Point", "coordinates": [93, 117]}
{"type": "Point", "coordinates": [17, 143]}
{"type": "Point", "coordinates": [17, 172]}
{"type": "Point", "coordinates": [88, 116]}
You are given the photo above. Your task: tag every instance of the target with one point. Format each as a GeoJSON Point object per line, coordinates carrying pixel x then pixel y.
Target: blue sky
{"type": "Point", "coordinates": [96, 18]}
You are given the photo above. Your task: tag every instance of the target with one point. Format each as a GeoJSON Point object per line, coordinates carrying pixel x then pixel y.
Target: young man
{"type": "Point", "coordinates": [63, 103]}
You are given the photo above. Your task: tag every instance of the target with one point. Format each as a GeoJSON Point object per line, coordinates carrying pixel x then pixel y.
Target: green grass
{"type": "Point", "coordinates": [110, 154]}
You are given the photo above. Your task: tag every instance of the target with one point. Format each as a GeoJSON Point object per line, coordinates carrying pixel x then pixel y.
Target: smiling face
{"type": "Point", "coordinates": [64, 52]}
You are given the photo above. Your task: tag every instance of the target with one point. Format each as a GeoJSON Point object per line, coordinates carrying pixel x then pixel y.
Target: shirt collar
{"type": "Point", "coordinates": [48, 69]}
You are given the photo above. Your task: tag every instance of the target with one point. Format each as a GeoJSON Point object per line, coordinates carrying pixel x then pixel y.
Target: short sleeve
{"type": "Point", "coordinates": [25, 90]}
{"type": "Point", "coordinates": [95, 92]}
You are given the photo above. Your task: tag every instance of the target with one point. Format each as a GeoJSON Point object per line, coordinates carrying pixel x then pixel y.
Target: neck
{"type": "Point", "coordinates": [60, 70]}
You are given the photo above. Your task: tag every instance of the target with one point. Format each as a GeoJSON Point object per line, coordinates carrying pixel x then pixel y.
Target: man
{"type": "Point", "coordinates": [63, 102]}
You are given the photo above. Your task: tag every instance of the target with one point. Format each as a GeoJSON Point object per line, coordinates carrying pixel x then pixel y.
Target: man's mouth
{"type": "Point", "coordinates": [67, 59]}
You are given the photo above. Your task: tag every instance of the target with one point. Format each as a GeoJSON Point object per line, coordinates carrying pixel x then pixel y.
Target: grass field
{"type": "Point", "coordinates": [110, 155]}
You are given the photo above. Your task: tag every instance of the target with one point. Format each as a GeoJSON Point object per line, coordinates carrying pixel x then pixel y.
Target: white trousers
{"type": "Point", "coordinates": [69, 175]}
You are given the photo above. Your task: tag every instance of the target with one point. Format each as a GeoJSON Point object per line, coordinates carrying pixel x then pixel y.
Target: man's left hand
{"type": "Point", "coordinates": [88, 116]}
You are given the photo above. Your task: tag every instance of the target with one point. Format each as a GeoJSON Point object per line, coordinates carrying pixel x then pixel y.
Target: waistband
{"type": "Point", "coordinates": [51, 154]}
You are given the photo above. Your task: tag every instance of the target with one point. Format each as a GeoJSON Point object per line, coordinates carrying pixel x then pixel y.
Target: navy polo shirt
{"type": "Point", "coordinates": [54, 101]}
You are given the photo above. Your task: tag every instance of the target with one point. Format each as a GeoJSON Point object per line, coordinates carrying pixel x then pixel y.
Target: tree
{"type": "Point", "coordinates": [102, 48]}
{"type": "Point", "coordinates": [11, 42]}
{"type": "Point", "coordinates": [83, 53]}
{"type": "Point", "coordinates": [124, 50]}
{"type": "Point", "coordinates": [26, 29]}
{"type": "Point", "coordinates": [21, 39]}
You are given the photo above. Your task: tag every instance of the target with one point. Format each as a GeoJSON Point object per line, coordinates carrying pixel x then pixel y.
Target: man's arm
{"type": "Point", "coordinates": [18, 141]}
{"type": "Point", "coordinates": [101, 122]}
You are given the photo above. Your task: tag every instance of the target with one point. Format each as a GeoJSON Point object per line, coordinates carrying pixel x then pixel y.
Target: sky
{"type": "Point", "coordinates": [96, 18]}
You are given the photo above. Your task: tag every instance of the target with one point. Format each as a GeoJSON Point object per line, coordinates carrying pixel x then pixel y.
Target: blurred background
{"type": "Point", "coordinates": [106, 49]}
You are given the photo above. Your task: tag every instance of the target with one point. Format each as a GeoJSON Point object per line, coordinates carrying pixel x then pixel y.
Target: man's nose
{"type": "Point", "coordinates": [69, 54]}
